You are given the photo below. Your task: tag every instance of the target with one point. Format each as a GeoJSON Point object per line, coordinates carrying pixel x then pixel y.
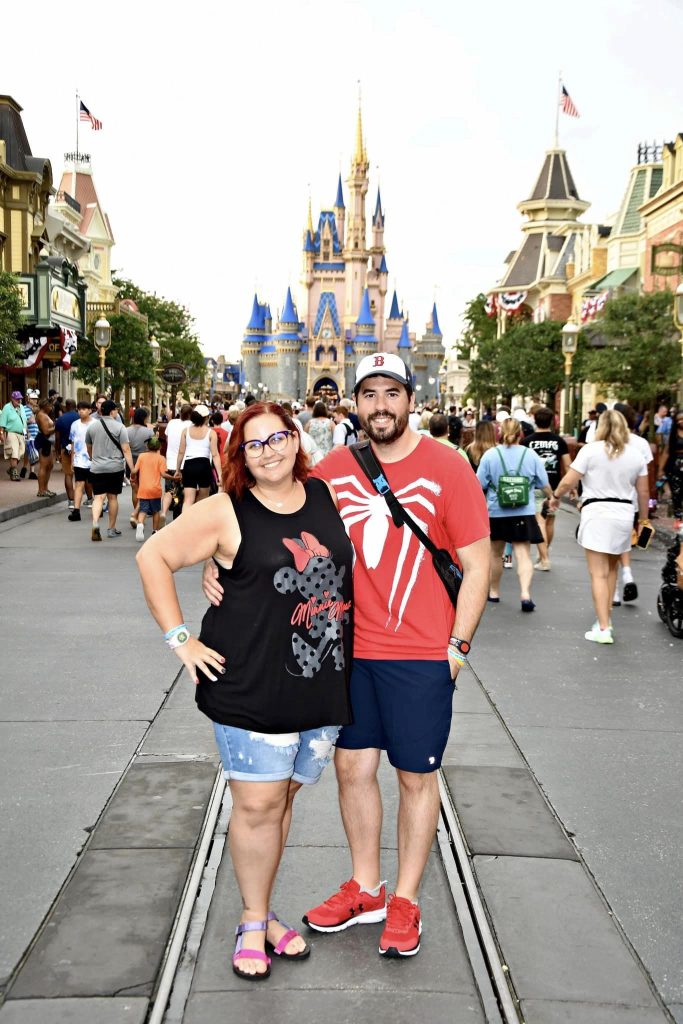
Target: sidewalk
{"type": "Point", "coordinates": [19, 498]}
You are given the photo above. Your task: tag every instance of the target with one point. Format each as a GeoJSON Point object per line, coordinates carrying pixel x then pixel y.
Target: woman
{"type": "Point", "coordinates": [272, 659]}
{"type": "Point", "coordinates": [518, 525]}
{"type": "Point", "coordinates": [44, 442]}
{"type": "Point", "coordinates": [216, 423]}
{"type": "Point", "coordinates": [197, 453]}
{"type": "Point", "coordinates": [608, 468]}
{"type": "Point", "coordinates": [484, 438]}
{"type": "Point", "coordinates": [673, 470]}
{"type": "Point", "coordinates": [320, 428]}
{"type": "Point", "coordinates": [139, 433]}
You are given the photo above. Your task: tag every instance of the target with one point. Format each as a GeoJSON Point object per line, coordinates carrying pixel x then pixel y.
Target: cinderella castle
{"type": "Point", "coordinates": [316, 350]}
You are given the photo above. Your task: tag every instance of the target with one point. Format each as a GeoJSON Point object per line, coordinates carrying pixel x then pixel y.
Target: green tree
{"type": "Point", "coordinates": [530, 361]}
{"type": "Point", "coordinates": [171, 324]}
{"type": "Point", "coordinates": [642, 360]}
{"type": "Point", "coordinates": [10, 318]}
{"type": "Point", "coordinates": [479, 344]}
{"type": "Point", "coordinates": [129, 357]}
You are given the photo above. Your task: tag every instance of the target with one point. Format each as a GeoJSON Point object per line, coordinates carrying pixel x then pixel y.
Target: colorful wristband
{"type": "Point", "coordinates": [176, 629]}
{"type": "Point", "coordinates": [178, 640]}
{"type": "Point", "coordinates": [454, 653]}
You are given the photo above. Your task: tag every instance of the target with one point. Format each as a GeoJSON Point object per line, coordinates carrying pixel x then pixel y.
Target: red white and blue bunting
{"type": "Point", "coordinates": [32, 349]}
{"type": "Point", "coordinates": [510, 302]}
{"type": "Point", "coordinates": [592, 305]}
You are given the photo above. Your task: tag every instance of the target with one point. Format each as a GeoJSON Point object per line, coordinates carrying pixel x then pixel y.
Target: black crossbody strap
{"type": "Point", "coordinates": [365, 457]}
{"type": "Point", "coordinates": [110, 435]}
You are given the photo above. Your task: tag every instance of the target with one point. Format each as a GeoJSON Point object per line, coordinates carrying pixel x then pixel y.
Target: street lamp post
{"type": "Point", "coordinates": [431, 381]}
{"type": "Point", "coordinates": [156, 356]}
{"type": "Point", "coordinates": [570, 339]}
{"type": "Point", "coordinates": [678, 320]}
{"type": "Point", "coordinates": [102, 339]}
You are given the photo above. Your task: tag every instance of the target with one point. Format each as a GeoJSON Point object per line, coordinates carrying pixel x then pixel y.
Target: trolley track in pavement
{"type": "Point", "coordinates": [180, 961]}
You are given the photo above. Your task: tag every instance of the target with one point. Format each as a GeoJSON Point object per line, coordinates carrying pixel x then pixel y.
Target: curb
{"type": "Point", "coordinates": [30, 506]}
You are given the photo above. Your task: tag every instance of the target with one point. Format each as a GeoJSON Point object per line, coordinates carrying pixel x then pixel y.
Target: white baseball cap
{"type": "Point", "coordinates": [383, 364]}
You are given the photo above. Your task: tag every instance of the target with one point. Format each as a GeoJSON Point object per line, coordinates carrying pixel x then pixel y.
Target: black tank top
{"type": "Point", "coordinates": [285, 622]}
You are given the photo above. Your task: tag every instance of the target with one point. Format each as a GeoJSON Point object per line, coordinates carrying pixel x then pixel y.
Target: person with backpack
{"type": "Point", "coordinates": [344, 432]}
{"type": "Point", "coordinates": [508, 474]}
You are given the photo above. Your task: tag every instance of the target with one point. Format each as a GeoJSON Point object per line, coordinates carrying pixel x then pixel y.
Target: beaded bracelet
{"type": "Point", "coordinates": [457, 656]}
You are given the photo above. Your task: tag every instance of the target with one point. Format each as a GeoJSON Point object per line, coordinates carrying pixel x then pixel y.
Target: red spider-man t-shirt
{"type": "Point", "coordinates": [402, 608]}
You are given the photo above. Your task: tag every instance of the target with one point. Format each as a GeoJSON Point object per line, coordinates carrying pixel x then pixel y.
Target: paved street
{"type": "Point", "coordinates": [85, 677]}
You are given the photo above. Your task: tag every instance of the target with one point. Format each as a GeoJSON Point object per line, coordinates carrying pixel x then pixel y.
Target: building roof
{"type": "Point", "coordinates": [614, 279]}
{"type": "Point", "coordinates": [383, 269]}
{"type": "Point", "coordinates": [394, 312]}
{"type": "Point", "coordinates": [327, 301]}
{"type": "Point", "coordinates": [308, 242]}
{"type": "Point", "coordinates": [339, 201]}
{"type": "Point", "coordinates": [257, 320]}
{"type": "Point", "coordinates": [365, 317]}
{"type": "Point", "coordinates": [555, 181]}
{"type": "Point", "coordinates": [435, 322]}
{"type": "Point", "coordinates": [404, 341]}
{"type": "Point", "coordinates": [289, 315]}
{"type": "Point", "coordinates": [378, 216]}
{"type": "Point", "coordinates": [17, 150]}
{"type": "Point", "coordinates": [81, 186]}
{"type": "Point", "coordinates": [524, 267]}
{"type": "Point", "coordinates": [327, 217]}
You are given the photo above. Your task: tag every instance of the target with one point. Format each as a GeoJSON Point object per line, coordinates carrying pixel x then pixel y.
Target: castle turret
{"type": "Point", "coordinates": [340, 212]}
{"type": "Point", "coordinates": [287, 343]}
{"type": "Point", "coordinates": [355, 248]}
{"type": "Point", "coordinates": [254, 337]}
{"type": "Point", "coordinates": [428, 357]}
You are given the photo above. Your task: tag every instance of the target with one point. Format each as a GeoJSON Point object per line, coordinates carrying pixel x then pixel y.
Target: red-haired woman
{"type": "Point", "coordinates": [271, 661]}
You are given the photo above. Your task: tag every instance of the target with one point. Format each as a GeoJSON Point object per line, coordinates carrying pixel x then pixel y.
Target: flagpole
{"type": "Point", "coordinates": [77, 120]}
{"type": "Point", "coordinates": [557, 111]}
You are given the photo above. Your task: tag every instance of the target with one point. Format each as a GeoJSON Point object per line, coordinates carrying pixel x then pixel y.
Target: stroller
{"type": "Point", "coordinates": [670, 596]}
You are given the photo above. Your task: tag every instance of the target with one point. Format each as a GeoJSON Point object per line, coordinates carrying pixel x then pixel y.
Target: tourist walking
{"type": "Point", "coordinates": [629, 588]}
{"type": "Point", "coordinates": [108, 449]}
{"type": "Point", "coordinates": [63, 424]}
{"type": "Point", "coordinates": [175, 428]}
{"type": "Point", "coordinates": [673, 469]}
{"type": "Point", "coordinates": [198, 457]}
{"type": "Point", "coordinates": [484, 438]}
{"type": "Point", "coordinates": [31, 452]}
{"type": "Point", "coordinates": [44, 442]}
{"type": "Point", "coordinates": [608, 468]}
{"type": "Point", "coordinates": [513, 523]}
{"type": "Point", "coordinates": [150, 470]}
{"type": "Point", "coordinates": [139, 433]}
{"type": "Point", "coordinates": [320, 428]}
{"type": "Point", "coordinates": [553, 452]}
{"type": "Point", "coordinates": [271, 661]}
{"type": "Point", "coordinates": [80, 461]}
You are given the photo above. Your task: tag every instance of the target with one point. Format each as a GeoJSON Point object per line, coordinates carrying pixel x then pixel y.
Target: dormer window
{"type": "Point", "coordinates": [326, 251]}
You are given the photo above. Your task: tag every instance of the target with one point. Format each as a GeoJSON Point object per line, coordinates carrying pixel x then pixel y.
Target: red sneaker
{"type": "Point", "coordinates": [401, 935]}
{"type": "Point", "coordinates": [348, 906]}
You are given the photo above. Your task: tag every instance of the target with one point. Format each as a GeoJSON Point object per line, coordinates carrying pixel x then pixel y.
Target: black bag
{"type": "Point", "coordinates": [444, 564]}
{"type": "Point", "coordinates": [110, 435]}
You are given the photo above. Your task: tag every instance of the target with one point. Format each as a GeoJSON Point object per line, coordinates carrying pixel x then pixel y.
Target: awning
{"type": "Point", "coordinates": [614, 279]}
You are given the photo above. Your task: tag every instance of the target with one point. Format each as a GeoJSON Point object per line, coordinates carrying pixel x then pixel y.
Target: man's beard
{"type": "Point", "coordinates": [385, 435]}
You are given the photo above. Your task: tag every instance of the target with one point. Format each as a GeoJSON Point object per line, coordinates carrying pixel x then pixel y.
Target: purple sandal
{"type": "Point", "coordinates": [250, 954]}
{"type": "Point", "coordinates": [290, 934]}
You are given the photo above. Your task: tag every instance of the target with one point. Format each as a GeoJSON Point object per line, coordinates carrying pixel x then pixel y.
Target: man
{"type": "Point", "coordinates": [13, 428]}
{"type": "Point", "coordinates": [174, 431]}
{"type": "Point", "coordinates": [63, 426]}
{"type": "Point", "coordinates": [97, 405]}
{"type": "Point", "coordinates": [29, 405]}
{"type": "Point", "coordinates": [306, 413]}
{"type": "Point", "coordinates": [593, 425]}
{"type": "Point", "coordinates": [404, 662]}
{"type": "Point", "coordinates": [344, 433]}
{"type": "Point", "coordinates": [352, 415]}
{"type": "Point", "coordinates": [454, 425]}
{"type": "Point", "coordinates": [109, 452]}
{"type": "Point", "coordinates": [554, 454]}
{"type": "Point", "coordinates": [439, 428]}
{"type": "Point", "coordinates": [80, 463]}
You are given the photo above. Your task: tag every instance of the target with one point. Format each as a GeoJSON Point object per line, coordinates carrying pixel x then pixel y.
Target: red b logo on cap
{"type": "Point", "coordinates": [379, 361]}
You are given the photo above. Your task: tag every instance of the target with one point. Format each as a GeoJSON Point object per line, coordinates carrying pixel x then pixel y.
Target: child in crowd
{"type": "Point", "coordinates": [149, 469]}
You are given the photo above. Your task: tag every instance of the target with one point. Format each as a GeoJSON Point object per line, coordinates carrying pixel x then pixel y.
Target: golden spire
{"type": "Point", "coordinates": [310, 215]}
{"type": "Point", "coordinates": [360, 156]}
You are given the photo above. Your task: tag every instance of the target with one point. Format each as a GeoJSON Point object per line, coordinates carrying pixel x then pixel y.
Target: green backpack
{"type": "Point", "coordinates": [512, 491]}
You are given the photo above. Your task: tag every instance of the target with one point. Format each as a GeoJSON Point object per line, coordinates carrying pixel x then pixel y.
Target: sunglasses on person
{"type": "Point", "coordinates": [277, 442]}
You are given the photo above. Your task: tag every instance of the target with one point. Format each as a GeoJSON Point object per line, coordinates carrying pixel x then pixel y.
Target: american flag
{"type": "Point", "coordinates": [87, 116]}
{"type": "Point", "coordinates": [567, 104]}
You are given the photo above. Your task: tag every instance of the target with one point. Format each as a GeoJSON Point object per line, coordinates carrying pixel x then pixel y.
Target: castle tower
{"type": "Point", "coordinates": [378, 272]}
{"type": "Point", "coordinates": [428, 357]}
{"type": "Point", "coordinates": [340, 211]}
{"type": "Point", "coordinates": [254, 337]}
{"type": "Point", "coordinates": [394, 327]}
{"type": "Point", "coordinates": [355, 248]}
{"type": "Point", "coordinates": [285, 348]}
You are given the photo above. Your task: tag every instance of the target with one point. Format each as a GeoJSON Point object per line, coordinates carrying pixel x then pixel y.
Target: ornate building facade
{"type": "Point", "coordinates": [343, 316]}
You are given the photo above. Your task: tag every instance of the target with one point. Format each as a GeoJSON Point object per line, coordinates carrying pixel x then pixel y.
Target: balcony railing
{"type": "Point", "coordinates": [64, 197]}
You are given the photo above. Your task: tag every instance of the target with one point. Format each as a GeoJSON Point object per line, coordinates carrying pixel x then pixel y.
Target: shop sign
{"type": "Point", "coordinates": [64, 303]}
{"type": "Point", "coordinates": [667, 259]}
{"type": "Point", "coordinates": [174, 373]}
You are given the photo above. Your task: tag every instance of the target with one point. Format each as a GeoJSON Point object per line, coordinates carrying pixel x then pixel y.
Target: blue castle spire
{"type": "Point", "coordinates": [339, 201]}
{"type": "Point", "coordinates": [257, 321]}
{"type": "Point", "coordinates": [395, 312]}
{"type": "Point", "coordinates": [435, 323]}
{"type": "Point", "coordinates": [383, 269]}
{"type": "Point", "coordinates": [404, 341]}
{"type": "Point", "coordinates": [288, 315]}
{"type": "Point", "coordinates": [365, 317]}
{"type": "Point", "coordinates": [308, 244]}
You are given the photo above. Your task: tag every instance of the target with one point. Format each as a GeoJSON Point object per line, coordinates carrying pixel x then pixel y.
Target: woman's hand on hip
{"type": "Point", "coordinates": [213, 591]}
{"type": "Point", "coordinates": [195, 655]}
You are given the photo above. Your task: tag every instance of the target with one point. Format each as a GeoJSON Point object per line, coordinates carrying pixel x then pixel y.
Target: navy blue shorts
{"type": "Point", "coordinates": [403, 707]}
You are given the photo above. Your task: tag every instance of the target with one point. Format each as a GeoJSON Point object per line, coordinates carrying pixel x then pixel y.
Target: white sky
{"type": "Point", "coordinates": [218, 116]}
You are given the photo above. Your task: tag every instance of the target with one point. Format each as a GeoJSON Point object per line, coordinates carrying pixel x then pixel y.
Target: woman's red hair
{"type": "Point", "coordinates": [236, 476]}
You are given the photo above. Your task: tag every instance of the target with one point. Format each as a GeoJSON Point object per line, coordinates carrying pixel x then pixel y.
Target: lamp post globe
{"type": "Point", "coordinates": [570, 341]}
{"type": "Point", "coordinates": [102, 341]}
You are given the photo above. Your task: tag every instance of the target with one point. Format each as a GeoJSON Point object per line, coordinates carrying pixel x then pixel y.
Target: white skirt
{"type": "Point", "coordinates": [606, 526]}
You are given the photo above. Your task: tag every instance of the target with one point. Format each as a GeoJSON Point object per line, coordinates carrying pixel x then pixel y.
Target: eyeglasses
{"type": "Point", "coordinates": [277, 442]}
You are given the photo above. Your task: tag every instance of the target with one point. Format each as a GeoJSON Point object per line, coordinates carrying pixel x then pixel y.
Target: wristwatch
{"type": "Point", "coordinates": [460, 645]}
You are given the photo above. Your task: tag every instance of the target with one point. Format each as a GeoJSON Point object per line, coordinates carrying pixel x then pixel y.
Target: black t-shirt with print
{"type": "Point", "coordinates": [550, 448]}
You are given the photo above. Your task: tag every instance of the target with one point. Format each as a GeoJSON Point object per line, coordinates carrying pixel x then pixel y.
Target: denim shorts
{"type": "Point", "coordinates": [270, 757]}
{"type": "Point", "coordinates": [150, 506]}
